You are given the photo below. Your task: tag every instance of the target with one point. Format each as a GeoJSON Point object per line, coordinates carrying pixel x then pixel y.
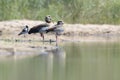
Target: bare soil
{"type": "Point", "coordinates": [11, 43]}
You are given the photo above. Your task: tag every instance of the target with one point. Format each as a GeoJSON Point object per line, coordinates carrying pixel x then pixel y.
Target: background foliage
{"type": "Point", "coordinates": [71, 11]}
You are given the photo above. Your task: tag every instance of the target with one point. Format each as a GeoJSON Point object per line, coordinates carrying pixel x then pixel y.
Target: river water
{"type": "Point", "coordinates": [70, 61]}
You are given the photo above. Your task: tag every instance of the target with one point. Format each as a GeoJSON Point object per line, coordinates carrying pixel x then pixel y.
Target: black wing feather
{"type": "Point", "coordinates": [36, 29]}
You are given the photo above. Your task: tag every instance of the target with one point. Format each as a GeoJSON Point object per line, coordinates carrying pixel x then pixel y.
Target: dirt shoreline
{"type": "Point", "coordinates": [12, 43]}
{"type": "Point", "coordinates": [77, 32]}
{"type": "Point", "coordinates": [14, 26]}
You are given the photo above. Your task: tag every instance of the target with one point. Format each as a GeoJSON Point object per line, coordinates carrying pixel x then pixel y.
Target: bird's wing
{"type": "Point", "coordinates": [59, 29]}
{"type": "Point", "coordinates": [37, 28]}
{"type": "Point", "coordinates": [50, 29]}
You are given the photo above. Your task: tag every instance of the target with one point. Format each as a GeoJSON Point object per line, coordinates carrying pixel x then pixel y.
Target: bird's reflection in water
{"type": "Point", "coordinates": [55, 56]}
{"type": "Point", "coordinates": [59, 59]}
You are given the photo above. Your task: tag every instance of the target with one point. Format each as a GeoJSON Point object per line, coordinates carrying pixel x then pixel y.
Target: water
{"type": "Point", "coordinates": [71, 61]}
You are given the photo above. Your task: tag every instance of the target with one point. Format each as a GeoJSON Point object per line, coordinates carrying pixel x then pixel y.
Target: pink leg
{"type": "Point", "coordinates": [56, 38]}
{"type": "Point", "coordinates": [24, 35]}
{"type": "Point", "coordinates": [42, 36]}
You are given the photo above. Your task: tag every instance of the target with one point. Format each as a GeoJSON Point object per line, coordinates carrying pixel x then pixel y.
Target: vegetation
{"type": "Point", "coordinates": [71, 11]}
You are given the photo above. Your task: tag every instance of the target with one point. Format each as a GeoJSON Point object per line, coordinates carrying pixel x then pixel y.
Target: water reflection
{"type": "Point", "coordinates": [74, 61]}
{"type": "Point", "coordinates": [56, 63]}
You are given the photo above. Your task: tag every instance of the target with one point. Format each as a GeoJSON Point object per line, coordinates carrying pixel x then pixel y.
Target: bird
{"type": "Point", "coordinates": [57, 29]}
{"type": "Point", "coordinates": [48, 19]}
{"type": "Point", "coordinates": [24, 30]}
{"type": "Point", "coordinates": [41, 28]}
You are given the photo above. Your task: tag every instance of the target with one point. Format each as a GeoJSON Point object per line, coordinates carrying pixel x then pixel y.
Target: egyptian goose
{"type": "Point", "coordinates": [57, 29]}
{"type": "Point", "coordinates": [41, 28]}
{"type": "Point", "coordinates": [24, 31]}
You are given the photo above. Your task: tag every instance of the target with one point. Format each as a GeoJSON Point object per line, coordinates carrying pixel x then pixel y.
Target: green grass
{"type": "Point", "coordinates": [71, 11]}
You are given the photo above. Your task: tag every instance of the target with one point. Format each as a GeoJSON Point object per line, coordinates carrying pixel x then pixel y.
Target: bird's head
{"type": "Point", "coordinates": [60, 22]}
{"type": "Point", "coordinates": [26, 26]}
{"type": "Point", "coordinates": [48, 19]}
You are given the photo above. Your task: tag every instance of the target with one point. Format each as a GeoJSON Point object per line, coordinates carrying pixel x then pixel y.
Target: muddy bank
{"type": "Point", "coordinates": [72, 32]}
{"type": "Point", "coordinates": [13, 52]}
{"type": "Point", "coordinates": [89, 29]}
{"type": "Point", "coordinates": [12, 44]}
{"type": "Point", "coordinates": [13, 27]}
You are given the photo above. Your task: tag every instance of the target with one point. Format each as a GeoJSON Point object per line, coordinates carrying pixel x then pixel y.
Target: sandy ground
{"type": "Point", "coordinates": [10, 42]}
{"type": "Point", "coordinates": [13, 27]}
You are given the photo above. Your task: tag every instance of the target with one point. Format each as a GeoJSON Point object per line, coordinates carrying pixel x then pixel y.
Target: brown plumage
{"type": "Point", "coordinates": [57, 29]}
{"type": "Point", "coordinates": [41, 28]}
{"type": "Point", "coordinates": [51, 29]}
{"type": "Point", "coordinates": [38, 29]}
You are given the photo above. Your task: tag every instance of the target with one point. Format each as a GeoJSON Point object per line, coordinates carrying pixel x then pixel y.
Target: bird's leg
{"type": "Point", "coordinates": [42, 36]}
{"type": "Point", "coordinates": [56, 44]}
{"type": "Point", "coordinates": [50, 41]}
{"type": "Point", "coordinates": [24, 35]}
{"type": "Point", "coordinates": [56, 38]}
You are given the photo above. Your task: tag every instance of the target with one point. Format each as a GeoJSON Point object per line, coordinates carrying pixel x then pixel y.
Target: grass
{"type": "Point", "coordinates": [71, 11]}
